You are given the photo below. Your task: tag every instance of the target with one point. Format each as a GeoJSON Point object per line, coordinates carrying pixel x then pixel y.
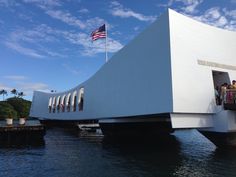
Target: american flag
{"type": "Point", "coordinates": [99, 33]}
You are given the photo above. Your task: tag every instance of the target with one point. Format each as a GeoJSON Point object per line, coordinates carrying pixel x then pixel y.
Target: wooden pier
{"type": "Point", "coordinates": [32, 133]}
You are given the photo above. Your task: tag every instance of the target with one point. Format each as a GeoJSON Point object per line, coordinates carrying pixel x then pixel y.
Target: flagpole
{"type": "Point", "coordinates": [106, 44]}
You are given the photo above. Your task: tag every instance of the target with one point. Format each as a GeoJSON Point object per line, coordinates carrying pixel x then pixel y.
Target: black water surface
{"type": "Point", "coordinates": [66, 154]}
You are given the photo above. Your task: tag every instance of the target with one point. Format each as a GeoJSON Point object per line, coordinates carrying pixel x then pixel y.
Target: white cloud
{"type": "Point", "coordinates": [190, 5]}
{"type": "Point", "coordinates": [83, 11]}
{"type": "Point", "coordinates": [71, 20]}
{"type": "Point", "coordinates": [49, 8]}
{"type": "Point", "coordinates": [99, 47]}
{"type": "Point", "coordinates": [215, 16]}
{"type": "Point", "coordinates": [23, 50]}
{"type": "Point", "coordinates": [233, 1]}
{"type": "Point", "coordinates": [82, 41]}
{"type": "Point", "coordinates": [65, 17]}
{"type": "Point", "coordinates": [212, 13]}
{"type": "Point", "coordinates": [93, 23]}
{"type": "Point", "coordinates": [26, 87]}
{"type": "Point", "coordinates": [7, 3]}
{"type": "Point", "coordinates": [54, 54]}
{"type": "Point", "coordinates": [218, 17]}
{"type": "Point", "coordinates": [187, 7]}
{"type": "Point", "coordinates": [33, 86]}
{"type": "Point", "coordinates": [91, 48]}
{"type": "Point", "coordinates": [4, 3]}
{"type": "Point", "coordinates": [231, 26]}
{"type": "Point", "coordinates": [5, 87]}
{"type": "Point", "coordinates": [25, 17]}
{"type": "Point", "coordinates": [44, 3]}
{"type": "Point", "coordinates": [117, 9]}
{"type": "Point", "coordinates": [230, 13]}
{"type": "Point", "coordinates": [35, 37]}
{"type": "Point", "coordinates": [222, 21]}
{"type": "Point", "coordinates": [115, 3]}
{"type": "Point", "coordinates": [42, 35]}
{"type": "Point", "coordinates": [29, 87]}
{"type": "Point", "coordinates": [15, 77]}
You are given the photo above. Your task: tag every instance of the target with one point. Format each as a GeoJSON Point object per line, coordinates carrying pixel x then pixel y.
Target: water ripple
{"type": "Point", "coordinates": [65, 154]}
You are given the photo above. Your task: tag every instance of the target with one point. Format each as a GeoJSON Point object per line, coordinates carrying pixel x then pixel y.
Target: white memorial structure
{"type": "Point", "coordinates": [162, 80]}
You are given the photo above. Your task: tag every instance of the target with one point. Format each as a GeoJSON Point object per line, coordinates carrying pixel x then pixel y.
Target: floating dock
{"type": "Point", "coordinates": [32, 133]}
{"type": "Point", "coordinates": [89, 127]}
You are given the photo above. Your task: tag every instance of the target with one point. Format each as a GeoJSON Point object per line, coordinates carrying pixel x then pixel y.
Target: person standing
{"type": "Point", "coordinates": [223, 92]}
{"type": "Point", "coordinates": [233, 84]}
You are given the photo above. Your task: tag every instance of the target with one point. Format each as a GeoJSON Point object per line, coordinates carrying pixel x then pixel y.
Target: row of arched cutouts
{"type": "Point", "coordinates": [67, 102]}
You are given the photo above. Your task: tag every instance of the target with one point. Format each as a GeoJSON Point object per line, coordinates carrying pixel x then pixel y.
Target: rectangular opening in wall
{"type": "Point", "coordinates": [81, 99]}
{"type": "Point", "coordinates": [220, 78]}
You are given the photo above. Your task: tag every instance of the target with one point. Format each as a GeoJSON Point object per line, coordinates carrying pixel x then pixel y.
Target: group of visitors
{"type": "Point", "coordinates": [226, 93]}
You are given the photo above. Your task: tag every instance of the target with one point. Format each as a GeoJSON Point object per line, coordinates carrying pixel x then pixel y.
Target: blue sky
{"type": "Point", "coordinates": [46, 45]}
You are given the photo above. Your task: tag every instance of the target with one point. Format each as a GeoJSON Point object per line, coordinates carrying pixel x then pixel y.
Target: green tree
{"type": "Point", "coordinates": [3, 93]}
{"type": "Point", "coordinates": [21, 94]}
{"type": "Point", "coordinates": [21, 106]}
{"type": "Point", "coordinates": [7, 111]}
{"type": "Point", "coordinates": [14, 92]}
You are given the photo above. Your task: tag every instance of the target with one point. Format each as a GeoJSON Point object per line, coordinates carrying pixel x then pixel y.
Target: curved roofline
{"type": "Point", "coordinates": [110, 60]}
{"type": "Point", "coordinates": [102, 67]}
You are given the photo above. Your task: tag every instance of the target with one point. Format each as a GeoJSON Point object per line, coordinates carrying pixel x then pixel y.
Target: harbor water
{"type": "Point", "coordinates": [66, 153]}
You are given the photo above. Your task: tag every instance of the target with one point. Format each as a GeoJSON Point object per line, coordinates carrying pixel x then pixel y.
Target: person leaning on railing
{"type": "Point", "coordinates": [231, 93]}
{"type": "Point", "coordinates": [233, 86]}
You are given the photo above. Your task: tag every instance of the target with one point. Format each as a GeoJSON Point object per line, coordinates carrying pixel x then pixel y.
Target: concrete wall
{"type": "Point", "coordinates": [166, 69]}
{"type": "Point", "coordinates": [135, 81]}
{"type": "Point", "coordinates": [193, 88]}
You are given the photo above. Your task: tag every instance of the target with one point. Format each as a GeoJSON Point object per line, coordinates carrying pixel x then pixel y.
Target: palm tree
{"type": "Point", "coordinates": [14, 92]}
{"type": "Point", "coordinates": [3, 93]}
{"type": "Point", "coordinates": [21, 94]}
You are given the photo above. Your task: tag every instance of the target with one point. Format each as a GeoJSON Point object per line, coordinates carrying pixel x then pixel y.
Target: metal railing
{"type": "Point", "coordinates": [230, 96]}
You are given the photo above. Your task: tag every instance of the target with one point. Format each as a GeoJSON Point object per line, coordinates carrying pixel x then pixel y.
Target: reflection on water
{"type": "Point", "coordinates": [65, 154]}
{"type": "Point", "coordinates": [145, 157]}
